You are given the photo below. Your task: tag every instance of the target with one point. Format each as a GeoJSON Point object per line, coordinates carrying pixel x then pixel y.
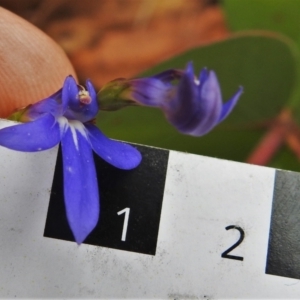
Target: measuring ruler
{"type": "Point", "coordinates": [180, 226]}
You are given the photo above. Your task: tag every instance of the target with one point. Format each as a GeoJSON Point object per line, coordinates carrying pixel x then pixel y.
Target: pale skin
{"type": "Point", "coordinates": [32, 65]}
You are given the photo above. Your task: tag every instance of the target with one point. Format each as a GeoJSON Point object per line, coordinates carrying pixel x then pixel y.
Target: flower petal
{"type": "Point", "coordinates": [230, 104]}
{"type": "Point", "coordinates": [149, 91]}
{"type": "Point", "coordinates": [210, 103]}
{"type": "Point", "coordinates": [182, 108]}
{"type": "Point", "coordinates": [37, 135]}
{"type": "Point", "coordinates": [69, 92]}
{"type": "Point", "coordinates": [118, 154]}
{"type": "Point", "coordinates": [91, 110]}
{"type": "Point", "coordinates": [52, 105]}
{"type": "Point", "coordinates": [80, 184]}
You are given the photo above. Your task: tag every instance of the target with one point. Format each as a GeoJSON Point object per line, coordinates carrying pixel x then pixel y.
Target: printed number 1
{"type": "Point", "coordinates": [125, 224]}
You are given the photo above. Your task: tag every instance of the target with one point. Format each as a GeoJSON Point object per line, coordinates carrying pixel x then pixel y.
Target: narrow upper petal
{"type": "Point", "coordinates": [230, 104]}
{"type": "Point", "coordinates": [80, 183]}
{"type": "Point", "coordinates": [91, 110]}
{"type": "Point", "coordinates": [203, 75]}
{"type": "Point", "coordinates": [69, 93]}
{"type": "Point", "coordinates": [116, 153]}
{"type": "Point", "coordinates": [37, 135]}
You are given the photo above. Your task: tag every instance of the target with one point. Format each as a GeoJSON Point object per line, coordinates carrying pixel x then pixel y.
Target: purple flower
{"type": "Point", "coordinates": [194, 106]}
{"type": "Point", "coordinates": [67, 117]}
{"type": "Point", "coordinates": [197, 107]}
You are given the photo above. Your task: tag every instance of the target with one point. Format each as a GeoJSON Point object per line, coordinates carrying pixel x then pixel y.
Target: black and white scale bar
{"type": "Point", "coordinates": [131, 203]}
{"type": "Point", "coordinates": [284, 243]}
{"type": "Point", "coordinates": [180, 226]}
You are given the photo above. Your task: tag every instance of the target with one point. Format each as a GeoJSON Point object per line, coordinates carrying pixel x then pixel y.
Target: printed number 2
{"type": "Point", "coordinates": [125, 211]}
{"type": "Point", "coordinates": [242, 235]}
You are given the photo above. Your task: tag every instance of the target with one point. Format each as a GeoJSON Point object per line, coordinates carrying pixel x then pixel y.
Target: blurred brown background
{"type": "Point", "coordinates": [107, 39]}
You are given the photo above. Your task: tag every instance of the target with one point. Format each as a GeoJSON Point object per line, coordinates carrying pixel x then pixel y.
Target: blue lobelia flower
{"type": "Point", "coordinates": [67, 117]}
{"type": "Point", "coordinates": [194, 106]}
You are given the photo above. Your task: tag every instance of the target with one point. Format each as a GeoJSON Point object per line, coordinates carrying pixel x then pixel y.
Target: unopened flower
{"type": "Point", "coordinates": [67, 117]}
{"type": "Point", "coordinates": [194, 106]}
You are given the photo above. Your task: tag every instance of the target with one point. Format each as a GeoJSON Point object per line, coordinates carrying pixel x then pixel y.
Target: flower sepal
{"type": "Point", "coordinates": [20, 115]}
{"type": "Point", "coordinates": [115, 95]}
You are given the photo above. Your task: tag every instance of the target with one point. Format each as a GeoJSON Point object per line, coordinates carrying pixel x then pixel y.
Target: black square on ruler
{"type": "Point", "coordinates": [139, 191]}
{"type": "Point", "coordinates": [284, 243]}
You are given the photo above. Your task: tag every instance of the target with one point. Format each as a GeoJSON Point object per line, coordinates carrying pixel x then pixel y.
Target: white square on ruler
{"type": "Point", "coordinates": [202, 196]}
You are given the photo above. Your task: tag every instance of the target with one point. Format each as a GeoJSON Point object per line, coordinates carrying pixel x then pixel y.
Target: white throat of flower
{"type": "Point", "coordinates": [75, 127]}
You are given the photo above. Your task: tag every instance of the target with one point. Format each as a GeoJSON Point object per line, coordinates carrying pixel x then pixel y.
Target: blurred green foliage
{"type": "Point", "coordinates": [274, 15]}
{"type": "Point", "coordinates": [278, 16]}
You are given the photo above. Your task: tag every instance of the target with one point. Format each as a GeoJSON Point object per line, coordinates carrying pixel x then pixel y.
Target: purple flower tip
{"type": "Point", "coordinates": [196, 107]}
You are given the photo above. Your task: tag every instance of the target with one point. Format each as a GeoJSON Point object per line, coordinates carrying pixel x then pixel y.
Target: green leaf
{"type": "Point", "coordinates": [275, 15]}
{"type": "Point", "coordinates": [264, 65]}
{"type": "Point", "coordinates": [280, 16]}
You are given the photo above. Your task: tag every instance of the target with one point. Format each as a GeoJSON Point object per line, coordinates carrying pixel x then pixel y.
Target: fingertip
{"type": "Point", "coordinates": [32, 65]}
